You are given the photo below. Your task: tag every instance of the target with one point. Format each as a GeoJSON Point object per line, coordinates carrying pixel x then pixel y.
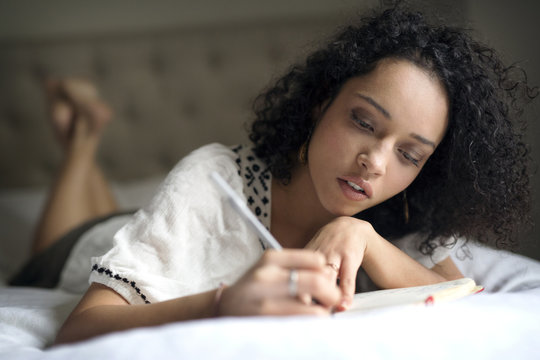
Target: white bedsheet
{"type": "Point", "coordinates": [500, 325]}
{"type": "Point", "coordinates": [484, 326]}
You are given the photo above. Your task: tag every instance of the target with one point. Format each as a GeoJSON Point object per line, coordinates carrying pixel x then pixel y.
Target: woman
{"type": "Point", "coordinates": [396, 130]}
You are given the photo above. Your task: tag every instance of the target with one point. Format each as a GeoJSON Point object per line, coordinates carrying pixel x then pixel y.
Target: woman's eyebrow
{"type": "Point", "coordinates": [376, 105]}
{"type": "Point", "coordinates": [387, 115]}
{"type": "Point", "coordinates": [423, 140]}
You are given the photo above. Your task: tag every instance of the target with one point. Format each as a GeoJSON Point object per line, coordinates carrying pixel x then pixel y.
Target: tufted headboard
{"type": "Point", "coordinates": [171, 90]}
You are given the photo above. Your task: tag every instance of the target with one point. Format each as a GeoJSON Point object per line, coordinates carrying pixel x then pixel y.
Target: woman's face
{"type": "Point", "coordinates": [375, 137]}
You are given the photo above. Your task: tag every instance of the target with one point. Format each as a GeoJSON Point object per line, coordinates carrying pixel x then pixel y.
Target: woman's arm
{"type": "Point", "coordinates": [447, 269]}
{"type": "Point", "coordinates": [263, 290]}
{"type": "Point", "coordinates": [389, 267]}
{"type": "Point", "coordinates": [102, 310]}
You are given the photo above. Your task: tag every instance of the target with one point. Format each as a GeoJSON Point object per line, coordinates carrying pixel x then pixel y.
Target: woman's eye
{"type": "Point", "coordinates": [358, 120]}
{"type": "Point", "coordinates": [408, 156]}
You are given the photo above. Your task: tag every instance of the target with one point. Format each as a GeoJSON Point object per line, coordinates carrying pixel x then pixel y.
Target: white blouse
{"type": "Point", "coordinates": [188, 240]}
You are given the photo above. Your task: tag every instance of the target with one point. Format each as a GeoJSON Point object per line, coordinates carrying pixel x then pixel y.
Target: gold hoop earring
{"type": "Point", "coordinates": [302, 154]}
{"type": "Point", "coordinates": [405, 207]}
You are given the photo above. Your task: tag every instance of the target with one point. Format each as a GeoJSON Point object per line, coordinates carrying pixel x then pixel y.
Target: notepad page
{"type": "Point", "coordinates": [412, 295]}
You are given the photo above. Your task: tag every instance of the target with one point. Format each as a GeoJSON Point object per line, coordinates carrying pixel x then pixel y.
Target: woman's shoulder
{"type": "Point", "coordinates": [236, 164]}
{"type": "Point", "coordinates": [192, 173]}
{"type": "Point", "coordinates": [213, 152]}
{"type": "Point", "coordinates": [233, 160]}
{"type": "Point", "coordinates": [208, 158]}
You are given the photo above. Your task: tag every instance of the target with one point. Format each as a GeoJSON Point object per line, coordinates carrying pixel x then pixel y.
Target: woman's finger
{"type": "Point", "coordinates": [347, 281]}
{"type": "Point", "coordinates": [314, 284]}
{"type": "Point", "coordinates": [333, 268]}
{"type": "Point", "coordinates": [305, 299]}
{"type": "Point", "coordinates": [285, 306]}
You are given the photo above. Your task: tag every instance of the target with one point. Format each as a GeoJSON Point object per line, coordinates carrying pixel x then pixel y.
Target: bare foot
{"type": "Point", "coordinates": [74, 100]}
{"type": "Point", "coordinates": [61, 113]}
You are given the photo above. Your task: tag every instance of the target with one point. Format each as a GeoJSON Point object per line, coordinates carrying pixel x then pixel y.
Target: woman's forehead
{"type": "Point", "coordinates": [399, 90]}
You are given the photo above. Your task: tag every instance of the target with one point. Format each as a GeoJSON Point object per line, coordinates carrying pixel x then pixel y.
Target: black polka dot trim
{"type": "Point", "coordinates": [109, 273]}
{"type": "Point", "coordinates": [257, 179]}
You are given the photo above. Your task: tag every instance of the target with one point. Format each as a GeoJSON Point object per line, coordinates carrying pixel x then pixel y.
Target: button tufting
{"type": "Point", "coordinates": [13, 119]}
{"type": "Point", "coordinates": [131, 113]}
{"type": "Point", "coordinates": [190, 109]}
{"type": "Point", "coordinates": [99, 66]}
{"type": "Point", "coordinates": [215, 60]}
{"type": "Point", "coordinates": [40, 72]}
{"type": "Point", "coordinates": [157, 63]}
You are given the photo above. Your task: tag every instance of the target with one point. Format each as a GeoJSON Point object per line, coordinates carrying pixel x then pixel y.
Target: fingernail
{"type": "Point", "coordinates": [344, 305]}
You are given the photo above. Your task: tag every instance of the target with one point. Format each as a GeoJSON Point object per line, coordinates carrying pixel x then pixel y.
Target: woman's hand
{"type": "Point", "coordinates": [269, 289]}
{"type": "Point", "coordinates": [344, 241]}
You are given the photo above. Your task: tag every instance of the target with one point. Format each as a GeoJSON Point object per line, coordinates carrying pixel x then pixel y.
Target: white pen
{"type": "Point", "coordinates": [242, 209]}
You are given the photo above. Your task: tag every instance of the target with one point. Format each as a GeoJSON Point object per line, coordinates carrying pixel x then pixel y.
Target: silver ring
{"type": "Point", "coordinates": [293, 283]}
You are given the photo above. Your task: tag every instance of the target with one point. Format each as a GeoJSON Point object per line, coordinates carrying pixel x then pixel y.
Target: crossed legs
{"type": "Point", "coordinates": [80, 191]}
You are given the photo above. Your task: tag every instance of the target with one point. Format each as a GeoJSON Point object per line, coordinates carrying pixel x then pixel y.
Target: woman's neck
{"type": "Point", "coordinates": [297, 213]}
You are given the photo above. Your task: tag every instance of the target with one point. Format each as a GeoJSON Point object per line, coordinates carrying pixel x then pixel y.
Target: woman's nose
{"type": "Point", "coordinates": [374, 160]}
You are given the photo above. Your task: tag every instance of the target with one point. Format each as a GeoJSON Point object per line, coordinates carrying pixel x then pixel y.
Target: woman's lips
{"type": "Point", "coordinates": [354, 188]}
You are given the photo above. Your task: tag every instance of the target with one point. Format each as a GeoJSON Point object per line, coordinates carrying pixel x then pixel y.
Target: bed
{"type": "Point", "coordinates": [139, 75]}
{"type": "Point", "coordinates": [502, 322]}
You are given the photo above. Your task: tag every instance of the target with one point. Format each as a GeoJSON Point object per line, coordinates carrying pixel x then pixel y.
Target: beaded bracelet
{"type": "Point", "coordinates": [217, 298]}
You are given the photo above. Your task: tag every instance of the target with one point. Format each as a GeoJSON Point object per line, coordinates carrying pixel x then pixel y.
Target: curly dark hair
{"type": "Point", "coordinates": [476, 184]}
